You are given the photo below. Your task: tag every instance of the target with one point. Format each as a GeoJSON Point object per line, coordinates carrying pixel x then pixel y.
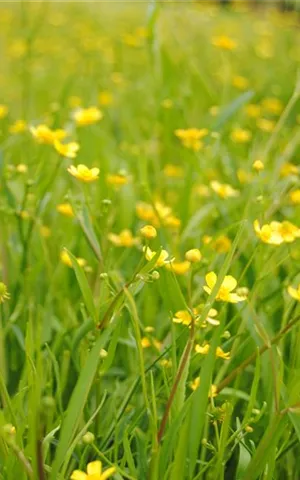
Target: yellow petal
{"type": "Point", "coordinates": [108, 473]}
{"type": "Point", "coordinates": [229, 283]}
{"type": "Point", "coordinates": [294, 293]}
{"type": "Point", "coordinates": [211, 279]}
{"type": "Point", "coordinates": [78, 475]}
{"type": "Point", "coordinates": [235, 298]}
{"type": "Point", "coordinates": [94, 468]}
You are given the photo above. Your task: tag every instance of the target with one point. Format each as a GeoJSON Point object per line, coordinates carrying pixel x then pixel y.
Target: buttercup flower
{"type": "Point", "coordinates": [65, 209]}
{"type": "Point", "coordinates": [295, 196]}
{"type": "Point", "coordinates": [124, 239]}
{"type": "Point", "coordinates": [240, 135]}
{"type": "Point", "coordinates": [196, 384]}
{"type": "Point", "coordinates": [222, 244]}
{"type": "Point", "coordinates": [224, 43]}
{"type": "Point", "coordinates": [294, 292]}
{"type": "Point", "coordinates": [148, 231]}
{"type": "Point", "coordinates": [87, 116]}
{"type": "Point", "coordinates": [83, 173]}
{"type": "Point", "coordinates": [19, 126]}
{"type": "Point", "coordinates": [94, 472]}
{"type": "Point", "coordinates": [268, 233]}
{"type": "Point", "coordinates": [3, 111]}
{"type": "Point", "coordinates": [252, 110]}
{"type": "Point", "coordinates": [191, 137]}
{"type": "Point", "coordinates": [289, 231]}
{"type": "Point", "coordinates": [66, 260]}
{"type": "Point", "coordinates": [265, 125]}
{"type": "Point", "coordinates": [225, 292]}
{"type": "Point", "coordinates": [182, 316]}
{"type": "Point", "coordinates": [68, 150]}
{"type": "Point", "coordinates": [118, 180]}
{"type": "Point", "coordinates": [4, 295]}
{"type": "Point", "coordinates": [22, 168]}
{"type": "Point", "coordinates": [105, 98]}
{"type": "Point", "coordinates": [223, 189]}
{"type": "Point", "coordinates": [180, 268]}
{"type": "Point", "coordinates": [173, 171]}
{"type": "Point", "coordinates": [193, 255]}
{"type": "Point", "coordinates": [258, 165]}
{"type": "Point", "coordinates": [288, 168]}
{"type": "Point", "coordinates": [272, 105]}
{"type": "Point", "coordinates": [43, 134]}
{"type": "Point", "coordinates": [240, 82]}
{"type": "Point", "coordinates": [162, 259]}
{"type": "Point", "coordinates": [204, 349]}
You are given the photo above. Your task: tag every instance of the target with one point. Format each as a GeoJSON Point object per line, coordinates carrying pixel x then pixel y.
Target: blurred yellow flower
{"type": "Point", "coordinates": [204, 349]}
{"type": "Point", "coordinates": [83, 173]}
{"type": "Point", "coordinates": [222, 244]}
{"type": "Point", "coordinates": [265, 125]}
{"type": "Point", "coordinates": [173, 171]}
{"type": "Point", "coordinates": [225, 292]}
{"type": "Point", "coordinates": [162, 259]}
{"type": "Point", "coordinates": [258, 165]}
{"type": "Point", "coordinates": [68, 150]}
{"type": "Point", "coordinates": [268, 233]}
{"type": "Point", "coordinates": [65, 209]}
{"type": "Point", "coordinates": [240, 82]}
{"type": "Point", "coordinates": [22, 168]}
{"type": "Point", "coordinates": [124, 239]}
{"type": "Point", "coordinates": [295, 196]}
{"type": "Point", "coordinates": [66, 260]}
{"type": "Point", "coordinates": [243, 176]}
{"type": "Point", "coordinates": [3, 111]}
{"type": "Point", "coordinates": [293, 292]}
{"type": "Point", "coordinates": [240, 135]}
{"type": "Point", "coordinates": [117, 180]}
{"type": "Point", "coordinates": [223, 189]}
{"type": "Point", "coordinates": [272, 105]}
{"type": "Point", "coordinates": [180, 268]}
{"type": "Point", "coordinates": [289, 168]}
{"type": "Point", "coordinates": [19, 126]}
{"type": "Point", "coordinates": [148, 231]}
{"type": "Point", "coordinates": [167, 103]}
{"type": "Point", "coordinates": [191, 137]}
{"type": "Point", "coordinates": [224, 43]}
{"type": "Point", "coordinates": [252, 110]}
{"type": "Point", "coordinates": [289, 231]}
{"type": "Point", "coordinates": [4, 295]}
{"type": "Point", "coordinates": [105, 98]}
{"type": "Point", "coordinates": [193, 255]}
{"type": "Point", "coordinates": [94, 472]}
{"type": "Point", "coordinates": [87, 116]}
{"type": "Point", "coordinates": [182, 316]}
{"type": "Point", "coordinates": [196, 384]}
{"type": "Point", "coordinates": [45, 231]}
{"type": "Point", "coordinates": [43, 134]}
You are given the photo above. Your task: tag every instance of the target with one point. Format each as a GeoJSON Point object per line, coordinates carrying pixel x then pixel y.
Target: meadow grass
{"type": "Point", "coordinates": [150, 263]}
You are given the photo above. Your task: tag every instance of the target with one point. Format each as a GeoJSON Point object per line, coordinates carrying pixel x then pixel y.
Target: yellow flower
{"type": "Point", "coordinates": [148, 232]}
{"type": "Point", "coordinates": [117, 180]}
{"type": "Point", "coordinates": [272, 105]}
{"type": "Point", "coordinates": [87, 116]}
{"type": "Point", "coordinates": [173, 171]}
{"type": "Point", "coordinates": [105, 98]}
{"type": "Point", "coordinates": [295, 196]}
{"type": "Point", "coordinates": [196, 383]}
{"type": "Point", "coordinates": [66, 260]}
{"type": "Point", "coordinates": [19, 126]}
{"type": "Point", "coordinates": [65, 209]}
{"type": "Point", "coordinates": [240, 82]}
{"type": "Point", "coordinates": [288, 168]}
{"type": "Point", "coordinates": [224, 43]}
{"type": "Point", "coordinates": [206, 239]}
{"type": "Point", "coordinates": [180, 268]}
{"type": "Point", "coordinates": [240, 135]}
{"type": "Point", "coordinates": [211, 318]}
{"type": "Point", "coordinates": [204, 349]}
{"type": "Point", "coordinates": [3, 111]}
{"type": "Point", "coordinates": [202, 190]}
{"type": "Point", "coordinates": [124, 239]}
{"type": "Point", "coordinates": [4, 295]}
{"type": "Point", "coordinates": [252, 110]}
{"type": "Point", "coordinates": [162, 259]}
{"type": "Point", "coordinates": [44, 134]}
{"type": "Point", "coordinates": [45, 231]}
{"type": "Point", "coordinates": [289, 231]}
{"type": "Point", "coordinates": [222, 244]}
{"type": "Point", "coordinates": [82, 172]}
{"type": "Point", "coordinates": [172, 221]}
{"type": "Point", "coordinates": [225, 292]}
{"type": "Point", "coordinates": [22, 168]}
{"type": "Point", "coordinates": [145, 342]}
{"type": "Point", "coordinates": [94, 472]}
{"type": "Point", "coordinates": [68, 150]}
{"type": "Point", "coordinates": [191, 137]}
{"type": "Point", "coordinates": [223, 189]}
{"type": "Point", "coordinates": [268, 233]}
{"type": "Point", "coordinates": [265, 125]}
{"type": "Point", "coordinates": [258, 165]}
{"type": "Point", "coordinates": [182, 316]}
{"type": "Point", "coordinates": [160, 214]}
{"type": "Point", "coordinates": [243, 176]}
{"type": "Point", "coordinates": [193, 255]}
{"type": "Point", "coordinates": [293, 292]}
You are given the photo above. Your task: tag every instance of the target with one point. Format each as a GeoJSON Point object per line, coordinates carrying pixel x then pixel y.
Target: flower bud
{"type": "Point", "coordinates": [148, 231]}
{"type": "Point", "coordinates": [193, 255]}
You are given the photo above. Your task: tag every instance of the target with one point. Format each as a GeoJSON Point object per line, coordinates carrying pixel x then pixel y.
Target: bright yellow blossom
{"type": "Point", "coordinates": [289, 231]}
{"type": "Point", "coordinates": [87, 116]}
{"type": "Point", "coordinates": [117, 180]}
{"type": "Point", "coordinates": [4, 295]}
{"type": "Point", "coordinates": [65, 209]}
{"type": "Point", "coordinates": [94, 472]}
{"type": "Point", "coordinates": [272, 105]}
{"type": "Point", "coordinates": [204, 349]}
{"type": "Point", "coordinates": [83, 173]}
{"type": "Point", "coordinates": [191, 137]}
{"type": "Point", "coordinates": [223, 189]}
{"type": "Point", "coordinates": [289, 168]}
{"type": "Point", "coordinates": [19, 126]}
{"type": "Point", "coordinates": [124, 239]}
{"type": "Point", "coordinates": [225, 292]}
{"type": "Point", "coordinates": [265, 125]}
{"type": "Point", "coordinates": [68, 150]}
{"type": "Point", "coordinates": [258, 165]}
{"type": "Point", "coordinates": [22, 168]}
{"type": "Point", "coordinates": [240, 135]}
{"type": "Point", "coordinates": [239, 82]}
{"type": "Point", "coordinates": [182, 316]}
{"type": "Point", "coordinates": [222, 244]}
{"type": "Point", "coordinates": [196, 384]}
{"type": "Point", "coordinates": [148, 231]}
{"type": "Point", "coordinates": [193, 255]}
{"type": "Point", "coordinates": [173, 171]}
{"type": "Point", "coordinates": [268, 233]}
{"type": "Point", "coordinates": [43, 134]}
{"type": "Point", "coordinates": [162, 259]}
{"type": "Point", "coordinates": [224, 43]}
{"type": "Point", "coordinates": [252, 110]}
{"type": "Point", "coordinates": [295, 196]}
{"type": "Point", "coordinates": [294, 292]}
{"type": "Point", "coordinates": [66, 260]}
{"type": "Point", "coordinates": [3, 111]}
{"type": "Point", "coordinates": [180, 268]}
